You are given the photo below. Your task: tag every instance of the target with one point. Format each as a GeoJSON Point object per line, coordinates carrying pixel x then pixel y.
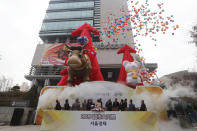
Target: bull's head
{"type": "Point", "coordinates": [77, 57]}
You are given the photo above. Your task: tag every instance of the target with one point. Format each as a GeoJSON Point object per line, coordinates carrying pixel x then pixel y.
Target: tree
{"type": "Point", "coordinates": [5, 83]}
{"type": "Point", "coordinates": [194, 34]}
{"type": "Point", "coordinates": [15, 88]}
{"type": "Point", "coordinates": [24, 87]}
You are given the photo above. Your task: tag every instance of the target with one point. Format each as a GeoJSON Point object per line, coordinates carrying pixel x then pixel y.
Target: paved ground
{"type": "Point", "coordinates": [163, 127]}
{"type": "Point", "coordinates": [20, 128]}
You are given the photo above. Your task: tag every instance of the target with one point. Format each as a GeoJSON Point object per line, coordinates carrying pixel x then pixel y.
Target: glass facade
{"type": "Point", "coordinates": [70, 14]}
{"type": "Point", "coordinates": [64, 16]}
{"type": "Point", "coordinates": [64, 25]}
{"type": "Point", "coordinates": [71, 5]}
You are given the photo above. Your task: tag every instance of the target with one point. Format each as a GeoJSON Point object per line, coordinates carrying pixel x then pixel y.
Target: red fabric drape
{"type": "Point", "coordinates": [96, 75]}
{"type": "Point", "coordinates": [126, 50]}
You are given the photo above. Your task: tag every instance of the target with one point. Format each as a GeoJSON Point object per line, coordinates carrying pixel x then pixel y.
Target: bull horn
{"type": "Point", "coordinates": [67, 48]}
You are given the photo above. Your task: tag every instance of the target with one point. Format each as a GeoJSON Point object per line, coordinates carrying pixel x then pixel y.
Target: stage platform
{"type": "Point", "coordinates": [99, 121]}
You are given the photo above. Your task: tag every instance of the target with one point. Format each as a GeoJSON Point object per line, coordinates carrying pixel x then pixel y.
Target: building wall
{"type": "Point", "coordinates": [107, 56]}
{"type": "Point", "coordinates": [104, 56]}
{"type": "Point", "coordinates": [106, 8]}
{"type": "Point", "coordinates": [38, 54]}
{"type": "Point", "coordinates": [6, 114]}
{"type": "Point", "coordinates": [63, 16]}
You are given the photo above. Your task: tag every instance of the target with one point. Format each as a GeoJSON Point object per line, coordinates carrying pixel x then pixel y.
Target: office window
{"type": "Point", "coordinates": [71, 5]}
{"type": "Point", "coordinates": [70, 14]}
{"type": "Point", "coordinates": [64, 25]}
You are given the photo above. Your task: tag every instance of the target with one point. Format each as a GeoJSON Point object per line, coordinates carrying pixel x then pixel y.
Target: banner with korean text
{"type": "Point", "coordinates": [99, 121]}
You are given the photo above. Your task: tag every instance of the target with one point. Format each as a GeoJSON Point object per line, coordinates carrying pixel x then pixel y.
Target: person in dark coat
{"type": "Point", "coordinates": [101, 102]}
{"type": "Point", "coordinates": [90, 105]}
{"type": "Point", "coordinates": [58, 106]}
{"type": "Point", "coordinates": [131, 106]}
{"type": "Point", "coordinates": [122, 105]}
{"type": "Point", "coordinates": [108, 105]}
{"type": "Point", "coordinates": [116, 103]}
{"type": "Point", "coordinates": [125, 104]}
{"type": "Point", "coordinates": [143, 106]}
{"type": "Point", "coordinates": [66, 105]}
{"type": "Point", "coordinates": [76, 105]}
{"type": "Point", "coordinates": [84, 105]}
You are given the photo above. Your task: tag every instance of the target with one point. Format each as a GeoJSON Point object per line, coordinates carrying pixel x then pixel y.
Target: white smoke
{"type": "Point", "coordinates": [179, 88]}
{"type": "Point", "coordinates": [180, 91]}
{"type": "Point", "coordinates": [154, 102]}
{"type": "Point", "coordinates": [173, 125]}
{"type": "Point", "coordinates": [88, 90]}
{"type": "Point", "coordinates": [176, 88]}
{"type": "Point", "coordinates": [104, 90]}
{"type": "Point", "coordinates": [48, 99]}
{"type": "Point", "coordinates": [110, 90]}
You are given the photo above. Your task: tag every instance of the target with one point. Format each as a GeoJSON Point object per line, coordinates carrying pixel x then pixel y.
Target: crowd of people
{"type": "Point", "coordinates": [89, 105]}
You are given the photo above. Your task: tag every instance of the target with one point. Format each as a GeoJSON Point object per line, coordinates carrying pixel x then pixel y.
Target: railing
{"type": "Point", "coordinates": [17, 98]}
{"type": "Point", "coordinates": [45, 70]}
{"type": "Point", "coordinates": [55, 70]}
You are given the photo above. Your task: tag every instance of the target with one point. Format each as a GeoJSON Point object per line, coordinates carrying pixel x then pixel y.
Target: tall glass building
{"type": "Point", "coordinates": [64, 16]}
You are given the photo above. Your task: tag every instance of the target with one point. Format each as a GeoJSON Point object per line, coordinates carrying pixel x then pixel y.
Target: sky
{"type": "Point", "coordinates": [21, 22]}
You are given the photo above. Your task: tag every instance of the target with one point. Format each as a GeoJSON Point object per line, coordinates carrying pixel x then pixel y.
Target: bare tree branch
{"type": "Point", "coordinates": [5, 83]}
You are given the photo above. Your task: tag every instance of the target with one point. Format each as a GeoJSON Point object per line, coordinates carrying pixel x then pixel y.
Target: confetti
{"type": "Point", "coordinates": [144, 23]}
